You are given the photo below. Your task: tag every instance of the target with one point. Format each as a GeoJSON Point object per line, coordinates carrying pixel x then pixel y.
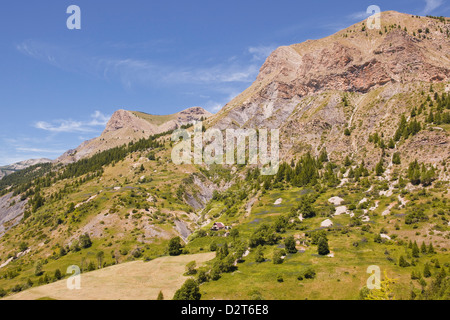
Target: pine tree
{"type": "Point", "coordinates": [431, 249]}
{"type": "Point", "coordinates": [85, 241]}
{"type": "Point", "coordinates": [396, 158]}
{"type": "Point", "coordinates": [58, 274]}
{"type": "Point", "coordinates": [38, 269]}
{"type": "Point", "coordinates": [160, 296]}
{"type": "Point", "coordinates": [415, 250]}
{"type": "Point", "coordinates": [414, 173]}
{"type": "Point", "coordinates": [427, 177]}
{"type": "Point", "coordinates": [423, 248]}
{"type": "Point", "coordinates": [437, 265]}
{"type": "Point", "coordinates": [323, 156]}
{"type": "Point", "coordinates": [347, 161]}
{"type": "Point", "coordinates": [378, 239]}
{"type": "Point", "coordinates": [426, 270]}
{"type": "Point", "coordinates": [62, 251]}
{"type": "Point", "coordinates": [222, 252]}
{"type": "Point", "coordinates": [379, 170]}
{"type": "Point", "coordinates": [430, 118]}
{"type": "Point", "coordinates": [306, 208]}
{"type": "Point", "coordinates": [175, 246]}
{"type": "Point", "coordinates": [401, 128]}
{"type": "Point", "coordinates": [402, 262]}
{"type": "Point", "coordinates": [391, 144]}
{"type": "Point", "coordinates": [322, 247]}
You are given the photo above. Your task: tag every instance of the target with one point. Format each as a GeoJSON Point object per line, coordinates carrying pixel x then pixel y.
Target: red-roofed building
{"type": "Point", "coordinates": [218, 226]}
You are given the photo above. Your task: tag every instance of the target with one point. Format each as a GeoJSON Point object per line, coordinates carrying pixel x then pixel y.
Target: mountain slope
{"type": "Point", "coordinates": [358, 78]}
{"type": "Point", "coordinates": [355, 111]}
{"type": "Point", "coordinates": [5, 170]}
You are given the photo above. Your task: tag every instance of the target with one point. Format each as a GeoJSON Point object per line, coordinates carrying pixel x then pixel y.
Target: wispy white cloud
{"type": "Point", "coordinates": [431, 5]}
{"type": "Point", "coordinates": [131, 72]}
{"type": "Point", "coordinates": [261, 52]}
{"type": "Point", "coordinates": [98, 119]}
{"type": "Point", "coordinates": [217, 74]}
{"type": "Point", "coordinates": [63, 126]}
{"type": "Point", "coordinates": [215, 106]}
{"type": "Point", "coordinates": [360, 15]}
{"type": "Point", "coordinates": [25, 147]}
{"type": "Point", "coordinates": [39, 150]}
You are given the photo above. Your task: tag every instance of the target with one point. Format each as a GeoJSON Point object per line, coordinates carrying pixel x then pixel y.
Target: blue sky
{"type": "Point", "coordinates": [58, 87]}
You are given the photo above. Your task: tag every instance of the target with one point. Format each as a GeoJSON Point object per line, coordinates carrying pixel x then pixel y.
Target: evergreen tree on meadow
{"type": "Point", "coordinates": [426, 270]}
{"type": "Point", "coordinates": [402, 262]}
{"type": "Point", "coordinates": [379, 169]}
{"type": "Point", "coordinates": [175, 246]}
{"type": "Point", "coordinates": [58, 274]}
{"type": "Point", "coordinates": [322, 247]}
{"type": "Point", "coordinates": [423, 248]}
{"type": "Point", "coordinates": [415, 250]}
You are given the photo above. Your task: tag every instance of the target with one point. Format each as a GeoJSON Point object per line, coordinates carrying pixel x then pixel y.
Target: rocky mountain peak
{"type": "Point", "coordinates": [126, 126]}
{"type": "Point", "coordinates": [357, 59]}
{"type": "Point", "coordinates": [125, 119]}
{"type": "Point", "coordinates": [358, 78]}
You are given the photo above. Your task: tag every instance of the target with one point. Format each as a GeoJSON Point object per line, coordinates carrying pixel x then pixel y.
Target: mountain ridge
{"type": "Point", "coordinates": [364, 121]}
{"type": "Point", "coordinates": [127, 126]}
{"type": "Point", "coordinates": [302, 87]}
{"type": "Point", "coordinates": [8, 169]}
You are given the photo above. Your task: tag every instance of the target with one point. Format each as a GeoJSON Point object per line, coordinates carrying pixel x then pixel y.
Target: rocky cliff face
{"type": "Point", "coordinates": [123, 119]}
{"type": "Point", "coordinates": [126, 126]}
{"type": "Point", "coordinates": [380, 72]}
{"type": "Point", "coordinates": [11, 212]}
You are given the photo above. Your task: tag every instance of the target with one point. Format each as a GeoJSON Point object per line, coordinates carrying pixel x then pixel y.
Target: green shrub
{"type": "Point", "coordinates": [189, 291]}
{"type": "Point", "coordinates": [85, 241]}
{"type": "Point", "coordinates": [289, 244]}
{"type": "Point", "coordinates": [277, 257]}
{"type": "Point", "coordinates": [309, 273]}
{"type": "Point", "coordinates": [175, 246]}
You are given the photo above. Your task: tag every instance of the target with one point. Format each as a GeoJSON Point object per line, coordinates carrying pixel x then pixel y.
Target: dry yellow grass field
{"type": "Point", "coordinates": [135, 280]}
